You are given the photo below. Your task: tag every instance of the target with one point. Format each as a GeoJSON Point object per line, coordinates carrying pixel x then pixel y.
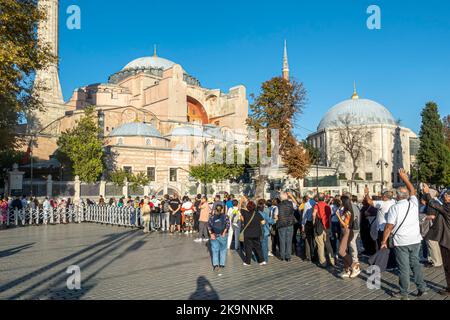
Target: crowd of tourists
{"type": "Point", "coordinates": [393, 229]}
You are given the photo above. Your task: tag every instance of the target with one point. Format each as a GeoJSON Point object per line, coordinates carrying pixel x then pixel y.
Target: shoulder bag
{"type": "Point", "coordinates": [241, 235]}
{"type": "Point", "coordinates": [391, 237]}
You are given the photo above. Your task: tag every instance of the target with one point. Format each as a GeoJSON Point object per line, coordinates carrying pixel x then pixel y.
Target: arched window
{"type": "Point", "coordinates": [120, 141]}
{"type": "Point", "coordinates": [368, 156]}
{"type": "Point", "coordinates": [148, 142]}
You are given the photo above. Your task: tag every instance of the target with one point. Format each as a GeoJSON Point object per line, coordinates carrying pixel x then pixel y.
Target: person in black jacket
{"type": "Point", "coordinates": [285, 226]}
{"type": "Point", "coordinates": [440, 230]}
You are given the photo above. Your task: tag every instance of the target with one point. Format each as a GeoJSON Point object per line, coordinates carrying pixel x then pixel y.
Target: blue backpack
{"type": "Point", "coordinates": [219, 224]}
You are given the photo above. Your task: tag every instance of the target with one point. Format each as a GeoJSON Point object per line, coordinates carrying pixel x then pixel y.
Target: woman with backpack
{"type": "Point", "coordinates": [218, 226]}
{"type": "Point", "coordinates": [234, 214]}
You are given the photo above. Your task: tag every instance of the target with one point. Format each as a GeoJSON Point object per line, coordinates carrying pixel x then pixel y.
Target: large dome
{"type": "Point", "coordinates": [149, 62]}
{"type": "Point", "coordinates": [360, 111]}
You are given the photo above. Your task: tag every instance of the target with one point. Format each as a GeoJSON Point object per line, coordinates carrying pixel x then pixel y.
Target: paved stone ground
{"type": "Point", "coordinates": [121, 263]}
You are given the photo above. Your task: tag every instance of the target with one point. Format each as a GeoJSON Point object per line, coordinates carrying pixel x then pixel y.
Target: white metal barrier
{"type": "Point", "coordinates": [119, 216]}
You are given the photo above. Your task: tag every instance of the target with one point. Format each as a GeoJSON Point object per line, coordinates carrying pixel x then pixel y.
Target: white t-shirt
{"type": "Point", "coordinates": [188, 208]}
{"type": "Point", "coordinates": [409, 233]}
{"type": "Point", "coordinates": [383, 208]}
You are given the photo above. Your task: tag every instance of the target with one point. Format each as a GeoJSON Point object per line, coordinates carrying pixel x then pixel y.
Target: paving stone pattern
{"type": "Point", "coordinates": [123, 263]}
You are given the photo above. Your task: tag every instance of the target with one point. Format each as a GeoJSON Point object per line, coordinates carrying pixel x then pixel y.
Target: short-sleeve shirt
{"type": "Point", "coordinates": [409, 232]}
{"type": "Point", "coordinates": [174, 203]}
{"type": "Point", "coordinates": [383, 209]}
{"type": "Point", "coordinates": [188, 208]}
{"type": "Point", "coordinates": [254, 228]}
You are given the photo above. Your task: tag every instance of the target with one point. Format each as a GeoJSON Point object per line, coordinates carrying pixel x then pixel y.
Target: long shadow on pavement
{"type": "Point", "coordinates": [12, 251]}
{"type": "Point", "coordinates": [109, 240]}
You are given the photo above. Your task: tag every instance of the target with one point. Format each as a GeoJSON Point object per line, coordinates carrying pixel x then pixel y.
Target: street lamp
{"type": "Point", "coordinates": [205, 155]}
{"type": "Point", "coordinates": [382, 164]}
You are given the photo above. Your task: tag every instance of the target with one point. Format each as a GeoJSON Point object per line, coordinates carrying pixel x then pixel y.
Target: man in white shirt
{"type": "Point", "coordinates": [403, 222]}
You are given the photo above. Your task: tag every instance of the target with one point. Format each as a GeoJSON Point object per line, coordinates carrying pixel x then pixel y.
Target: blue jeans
{"type": "Point", "coordinates": [408, 259]}
{"type": "Point", "coordinates": [219, 250]}
{"type": "Point", "coordinates": [265, 248]}
{"type": "Point", "coordinates": [285, 235]}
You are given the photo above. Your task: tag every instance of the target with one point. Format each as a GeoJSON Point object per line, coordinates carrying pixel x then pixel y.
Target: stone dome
{"type": "Point", "coordinates": [149, 62]}
{"type": "Point", "coordinates": [135, 129]}
{"type": "Point", "coordinates": [361, 112]}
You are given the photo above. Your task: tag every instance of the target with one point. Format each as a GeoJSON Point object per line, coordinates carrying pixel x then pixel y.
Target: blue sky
{"type": "Point", "coordinates": [225, 43]}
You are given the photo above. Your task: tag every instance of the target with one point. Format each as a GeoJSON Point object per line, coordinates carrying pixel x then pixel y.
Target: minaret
{"type": "Point", "coordinates": [285, 63]}
{"type": "Point", "coordinates": [355, 94]}
{"type": "Point", "coordinates": [47, 79]}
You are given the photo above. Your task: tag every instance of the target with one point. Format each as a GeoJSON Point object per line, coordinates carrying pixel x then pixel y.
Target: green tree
{"type": "Point", "coordinates": [434, 155]}
{"type": "Point", "coordinates": [118, 177]}
{"type": "Point", "coordinates": [218, 171]}
{"type": "Point", "coordinates": [83, 147]}
{"type": "Point", "coordinates": [278, 106]}
{"type": "Point", "coordinates": [20, 57]}
{"type": "Point", "coordinates": [137, 180]}
{"type": "Point", "coordinates": [446, 121]}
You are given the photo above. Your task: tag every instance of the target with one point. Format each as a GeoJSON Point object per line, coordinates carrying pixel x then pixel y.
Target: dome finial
{"type": "Point", "coordinates": [355, 94]}
{"type": "Point", "coordinates": [154, 50]}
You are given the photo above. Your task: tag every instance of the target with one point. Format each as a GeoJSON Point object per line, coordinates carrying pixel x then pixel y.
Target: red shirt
{"type": "Point", "coordinates": [323, 213]}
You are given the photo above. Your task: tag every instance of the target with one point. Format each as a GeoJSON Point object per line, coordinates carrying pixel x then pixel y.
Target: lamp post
{"type": "Point", "coordinates": [382, 164]}
{"type": "Point", "coordinates": [205, 155]}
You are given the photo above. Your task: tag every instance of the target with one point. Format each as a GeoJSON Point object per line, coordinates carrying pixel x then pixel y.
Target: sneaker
{"type": "Point", "coordinates": [355, 272]}
{"type": "Point", "coordinates": [205, 240]}
{"type": "Point", "coordinates": [216, 268]}
{"type": "Point", "coordinates": [198, 240]}
{"type": "Point", "coordinates": [263, 263]}
{"type": "Point", "coordinates": [190, 231]}
{"type": "Point", "coordinates": [270, 254]}
{"type": "Point", "coordinates": [400, 296]}
{"type": "Point", "coordinates": [187, 232]}
{"type": "Point", "coordinates": [245, 264]}
{"type": "Point", "coordinates": [421, 293]}
{"type": "Point", "coordinates": [345, 274]}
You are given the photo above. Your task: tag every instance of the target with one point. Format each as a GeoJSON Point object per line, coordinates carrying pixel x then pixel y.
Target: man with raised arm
{"type": "Point", "coordinates": [402, 222]}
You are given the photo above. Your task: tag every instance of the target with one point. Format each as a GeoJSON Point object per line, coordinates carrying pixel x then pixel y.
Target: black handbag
{"type": "Point", "coordinates": [391, 236]}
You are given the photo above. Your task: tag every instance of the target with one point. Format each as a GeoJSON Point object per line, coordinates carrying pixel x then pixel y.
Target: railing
{"type": "Point", "coordinates": [111, 215]}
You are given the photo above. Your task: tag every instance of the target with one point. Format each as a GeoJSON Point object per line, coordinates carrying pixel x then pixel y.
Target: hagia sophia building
{"type": "Point", "coordinates": [152, 106]}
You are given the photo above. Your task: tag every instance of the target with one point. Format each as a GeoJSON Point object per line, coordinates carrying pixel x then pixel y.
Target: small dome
{"type": "Point", "coordinates": [135, 129]}
{"type": "Point", "coordinates": [189, 131]}
{"type": "Point", "coordinates": [149, 62]}
{"type": "Point", "coordinates": [361, 111]}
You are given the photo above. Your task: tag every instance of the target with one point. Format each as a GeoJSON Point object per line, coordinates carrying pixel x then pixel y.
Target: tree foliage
{"type": "Point", "coordinates": [218, 171]}
{"type": "Point", "coordinates": [446, 122]}
{"type": "Point", "coordinates": [434, 154]}
{"type": "Point", "coordinates": [20, 57]}
{"type": "Point", "coordinates": [278, 106]}
{"type": "Point", "coordinates": [137, 180]}
{"type": "Point", "coordinates": [83, 147]}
